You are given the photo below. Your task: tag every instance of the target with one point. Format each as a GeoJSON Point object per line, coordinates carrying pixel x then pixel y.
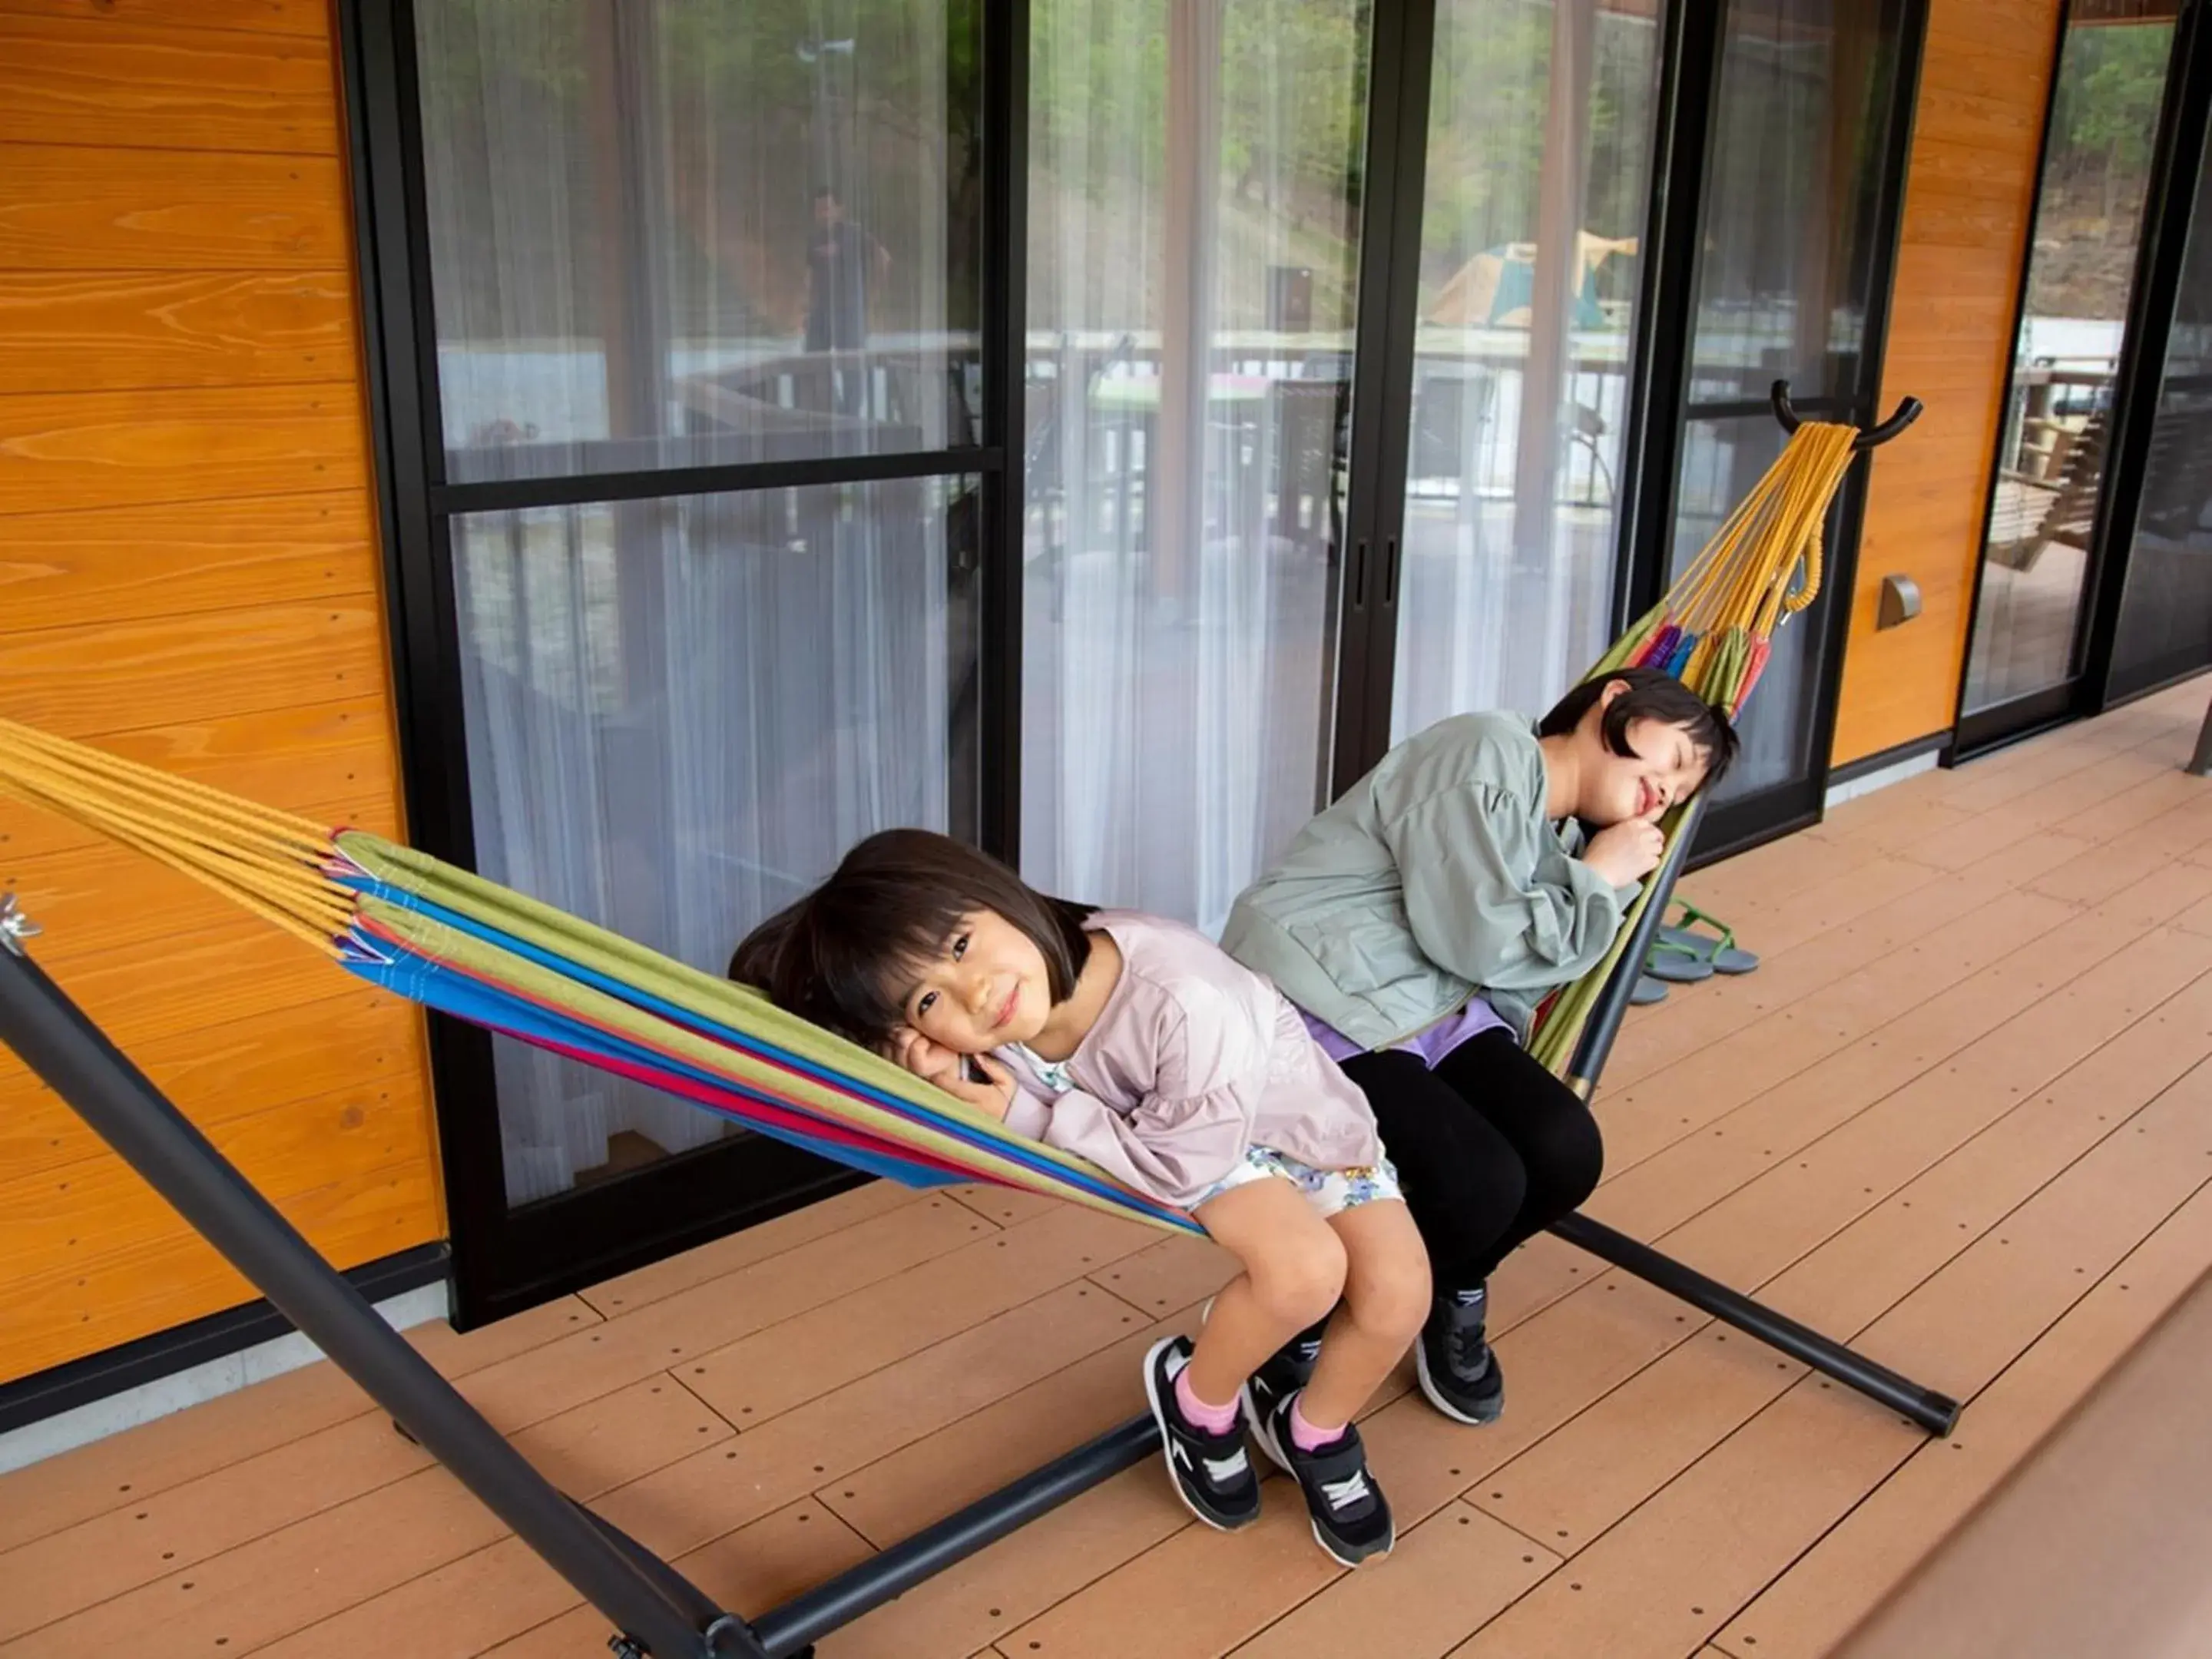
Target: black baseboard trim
{"type": "Point", "coordinates": [1896, 755]}
{"type": "Point", "coordinates": [64, 1387]}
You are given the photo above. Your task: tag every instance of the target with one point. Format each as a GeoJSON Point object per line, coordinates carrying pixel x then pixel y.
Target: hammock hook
{"type": "Point", "coordinates": [15, 927]}
{"type": "Point", "coordinates": [1906, 413]}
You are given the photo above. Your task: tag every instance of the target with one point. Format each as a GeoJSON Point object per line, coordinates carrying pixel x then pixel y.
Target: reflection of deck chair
{"type": "Point", "coordinates": [2059, 504]}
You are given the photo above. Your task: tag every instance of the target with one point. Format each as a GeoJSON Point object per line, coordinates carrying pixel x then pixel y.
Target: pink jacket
{"type": "Point", "coordinates": [1194, 1059]}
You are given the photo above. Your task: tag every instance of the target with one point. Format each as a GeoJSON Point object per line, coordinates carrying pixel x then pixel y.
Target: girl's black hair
{"type": "Point", "coordinates": [1652, 695]}
{"type": "Point", "coordinates": [896, 900]}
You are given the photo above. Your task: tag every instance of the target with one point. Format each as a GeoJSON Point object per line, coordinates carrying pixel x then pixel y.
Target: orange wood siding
{"type": "Point", "coordinates": [189, 575]}
{"type": "Point", "coordinates": [1969, 197]}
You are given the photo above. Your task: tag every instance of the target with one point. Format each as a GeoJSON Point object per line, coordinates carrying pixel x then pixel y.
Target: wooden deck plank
{"type": "Point", "coordinates": [1020, 1576]}
{"type": "Point", "coordinates": [1784, 1214]}
{"type": "Point", "coordinates": [760, 1566]}
{"type": "Point", "coordinates": [1197, 1594]}
{"type": "Point", "coordinates": [319, 1567]}
{"type": "Point", "coordinates": [1171, 1273]}
{"type": "Point", "coordinates": [761, 1375]}
{"type": "Point", "coordinates": [685, 1505]}
{"type": "Point", "coordinates": [1695, 1172]}
{"type": "Point", "coordinates": [2002, 952]}
{"type": "Point", "coordinates": [1455, 1571]}
{"type": "Point", "coordinates": [923, 1482]}
{"type": "Point", "coordinates": [697, 1321]}
{"type": "Point", "coordinates": [633, 1291]}
{"type": "Point", "coordinates": [1645, 1433]}
{"type": "Point", "coordinates": [1814, 1605]}
{"type": "Point", "coordinates": [1736, 1518]}
{"type": "Point", "coordinates": [1856, 945]}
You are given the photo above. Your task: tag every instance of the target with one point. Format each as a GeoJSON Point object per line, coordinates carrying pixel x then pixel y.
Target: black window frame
{"type": "Point", "coordinates": [2096, 682]}
{"type": "Point", "coordinates": [506, 1260]}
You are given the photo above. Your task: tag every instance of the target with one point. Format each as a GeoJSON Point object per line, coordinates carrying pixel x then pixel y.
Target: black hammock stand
{"type": "Point", "coordinates": [656, 1611]}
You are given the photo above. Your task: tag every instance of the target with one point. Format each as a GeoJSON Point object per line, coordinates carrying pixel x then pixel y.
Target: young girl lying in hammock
{"type": "Point", "coordinates": [1419, 921]}
{"type": "Point", "coordinates": [1135, 1043]}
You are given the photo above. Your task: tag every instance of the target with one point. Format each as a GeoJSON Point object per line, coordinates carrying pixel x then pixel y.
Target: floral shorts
{"type": "Point", "coordinates": [1329, 1191]}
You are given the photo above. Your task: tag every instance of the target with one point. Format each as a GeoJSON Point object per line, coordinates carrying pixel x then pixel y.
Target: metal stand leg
{"type": "Point", "coordinates": [658, 1611]}
{"type": "Point", "coordinates": [793, 1628]}
{"type": "Point", "coordinates": [2200, 764]}
{"type": "Point", "coordinates": [1935, 1412]}
{"type": "Point", "coordinates": [61, 1045]}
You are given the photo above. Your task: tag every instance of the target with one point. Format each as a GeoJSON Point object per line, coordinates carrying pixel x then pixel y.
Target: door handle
{"type": "Point", "coordinates": [1390, 572]}
{"type": "Point", "coordinates": [1359, 574]}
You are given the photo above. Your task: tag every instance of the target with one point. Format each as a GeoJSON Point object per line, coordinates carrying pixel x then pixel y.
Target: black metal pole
{"type": "Point", "coordinates": [791, 1629]}
{"type": "Point", "coordinates": [1934, 1412]}
{"type": "Point", "coordinates": [78, 1061]}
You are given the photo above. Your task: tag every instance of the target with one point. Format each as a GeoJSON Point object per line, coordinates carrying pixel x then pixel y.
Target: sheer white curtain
{"type": "Point", "coordinates": [1539, 138]}
{"type": "Point", "coordinates": [679, 713]}
{"type": "Point", "coordinates": [668, 231]}
{"type": "Point", "coordinates": [654, 221]}
{"type": "Point", "coordinates": [1192, 224]}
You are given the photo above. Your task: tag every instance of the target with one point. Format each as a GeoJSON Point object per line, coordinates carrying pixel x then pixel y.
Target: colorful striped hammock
{"type": "Point", "coordinates": [447, 940]}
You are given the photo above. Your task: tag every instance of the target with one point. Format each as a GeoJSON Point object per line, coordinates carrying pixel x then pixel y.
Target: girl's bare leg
{"type": "Point", "coordinates": [1386, 1297]}
{"type": "Point", "coordinates": [1294, 1270]}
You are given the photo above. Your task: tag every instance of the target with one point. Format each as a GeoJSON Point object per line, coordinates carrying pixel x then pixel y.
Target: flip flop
{"type": "Point", "coordinates": [1678, 964]}
{"type": "Point", "coordinates": [1722, 953]}
{"type": "Point", "coordinates": [1648, 991]}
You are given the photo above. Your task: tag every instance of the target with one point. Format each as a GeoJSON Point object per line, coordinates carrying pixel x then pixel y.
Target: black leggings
{"type": "Point", "coordinates": [1490, 1147]}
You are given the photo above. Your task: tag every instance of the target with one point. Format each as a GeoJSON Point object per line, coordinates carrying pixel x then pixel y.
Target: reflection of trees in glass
{"type": "Point", "coordinates": [742, 107]}
{"type": "Point", "coordinates": [2104, 124]}
{"type": "Point", "coordinates": [1489, 101]}
{"type": "Point", "coordinates": [1292, 91]}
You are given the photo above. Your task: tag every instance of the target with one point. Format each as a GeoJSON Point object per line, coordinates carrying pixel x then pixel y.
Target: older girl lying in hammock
{"type": "Point", "coordinates": [1419, 922]}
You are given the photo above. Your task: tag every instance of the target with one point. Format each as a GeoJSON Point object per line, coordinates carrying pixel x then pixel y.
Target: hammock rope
{"type": "Point", "coordinates": [1714, 631]}
{"type": "Point", "coordinates": [442, 937]}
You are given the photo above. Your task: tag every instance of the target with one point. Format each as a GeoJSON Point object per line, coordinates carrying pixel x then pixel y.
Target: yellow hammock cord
{"type": "Point", "coordinates": [1765, 560]}
{"type": "Point", "coordinates": [267, 861]}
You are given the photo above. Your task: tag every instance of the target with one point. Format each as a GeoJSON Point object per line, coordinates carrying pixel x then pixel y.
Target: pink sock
{"type": "Point", "coordinates": [1304, 1435]}
{"type": "Point", "coordinates": [1214, 1419]}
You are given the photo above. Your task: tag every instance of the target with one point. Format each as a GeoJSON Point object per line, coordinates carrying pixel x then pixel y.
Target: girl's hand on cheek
{"type": "Point", "coordinates": [1626, 852]}
{"type": "Point", "coordinates": [935, 1063]}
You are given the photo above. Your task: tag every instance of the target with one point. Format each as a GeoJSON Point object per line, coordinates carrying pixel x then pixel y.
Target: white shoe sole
{"type": "Point", "coordinates": [1256, 1426]}
{"type": "Point", "coordinates": [1167, 1443]}
{"type": "Point", "coordinates": [1436, 1396]}
{"type": "Point", "coordinates": [1357, 1562]}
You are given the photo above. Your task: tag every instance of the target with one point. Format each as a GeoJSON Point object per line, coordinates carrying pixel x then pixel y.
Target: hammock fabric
{"type": "Point", "coordinates": [450, 940]}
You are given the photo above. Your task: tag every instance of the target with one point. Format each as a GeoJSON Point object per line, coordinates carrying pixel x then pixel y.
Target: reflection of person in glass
{"type": "Point", "coordinates": [844, 265]}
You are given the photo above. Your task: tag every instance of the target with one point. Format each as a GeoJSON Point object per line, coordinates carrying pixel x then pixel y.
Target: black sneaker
{"type": "Point", "coordinates": [1351, 1517]}
{"type": "Point", "coordinates": [1211, 1473]}
{"type": "Point", "coordinates": [1283, 1372]}
{"type": "Point", "coordinates": [1458, 1370]}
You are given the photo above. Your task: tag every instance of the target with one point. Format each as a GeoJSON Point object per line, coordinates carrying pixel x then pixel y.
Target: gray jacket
{"type": "Point", "coordinates": [1435, 877]}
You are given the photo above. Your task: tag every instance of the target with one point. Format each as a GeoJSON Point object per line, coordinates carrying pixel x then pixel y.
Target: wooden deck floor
{"type": "Point", "coordinates": [1961, 1116]}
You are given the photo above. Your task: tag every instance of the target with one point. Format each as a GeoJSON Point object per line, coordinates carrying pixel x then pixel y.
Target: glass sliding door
{"type": "Point", "coordinates": [1540, 134]}
{"type": "Point", "coordinates": [678, 713]}
{"type": "Point", "coordinates": [1194, 203]}
{"type": "Point", "coordinates": [693, 581]}
{"type": "Point", "coordinates": [2040, 553]}
{"type": "Point", "coordinates": [2165, 625]}
{"type": "Point", "coordinates": [1794, 231]}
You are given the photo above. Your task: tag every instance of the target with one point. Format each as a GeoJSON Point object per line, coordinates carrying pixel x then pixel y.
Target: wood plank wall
{"type": "Point", "coordinates": [189, 575]}
{"type": "Point", "coordinates": [1969, 198]}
